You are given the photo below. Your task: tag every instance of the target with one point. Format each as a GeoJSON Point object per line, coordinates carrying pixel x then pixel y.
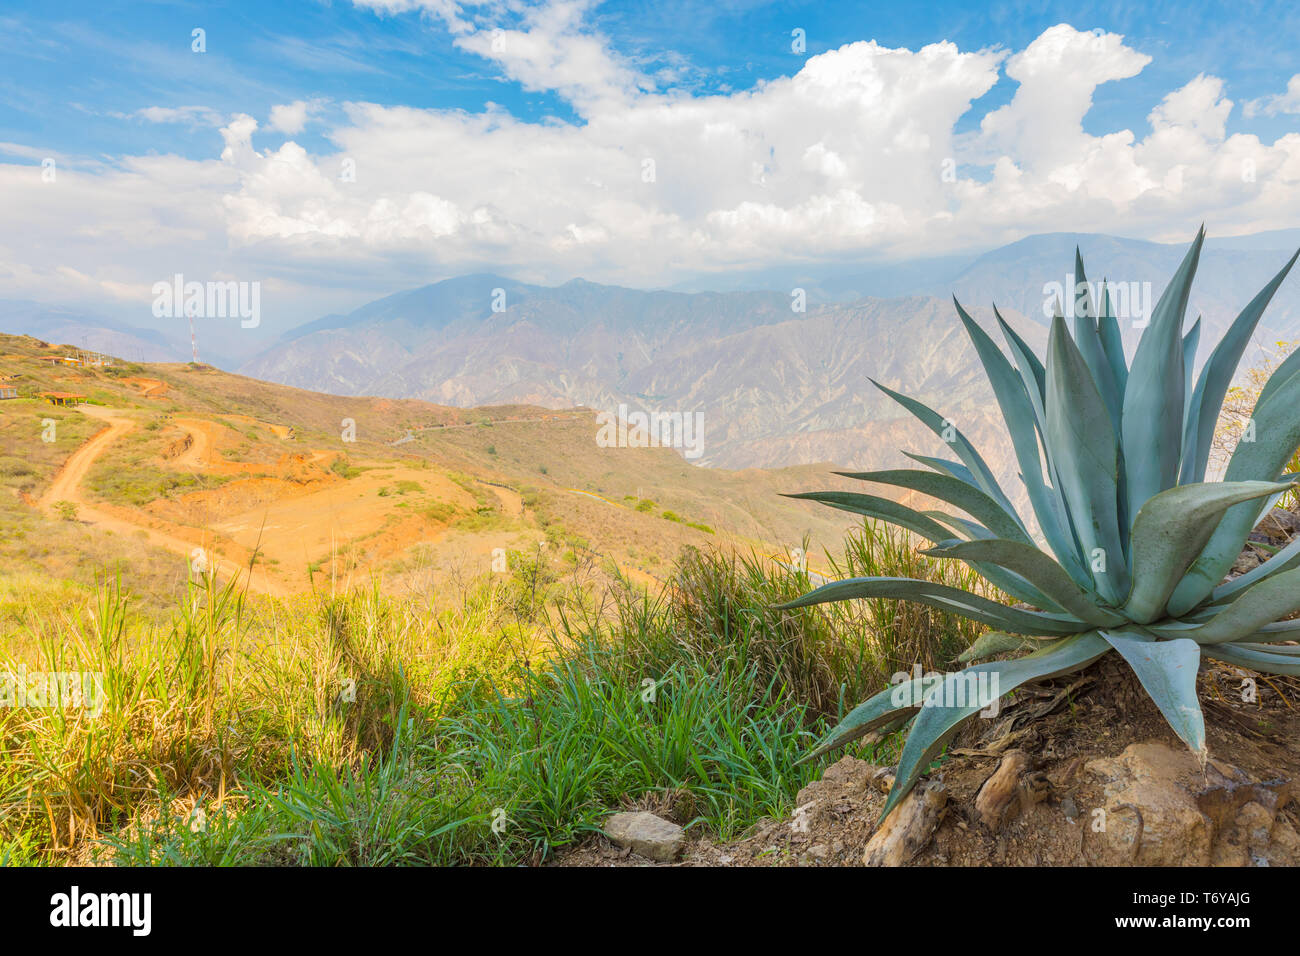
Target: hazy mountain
{"type": "Point", "coordinates": [1230, 273]}
{"type": "Point", "coordinates": [95, 333]}
{"type": "Point", "coordinates": [774, 386]}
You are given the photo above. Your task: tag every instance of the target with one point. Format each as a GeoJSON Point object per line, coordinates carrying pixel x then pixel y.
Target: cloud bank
{"type": "Point", "coordinates": [853, 156]}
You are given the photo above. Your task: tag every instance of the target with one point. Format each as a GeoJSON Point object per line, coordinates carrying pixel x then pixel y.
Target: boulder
{"type": "Point", "coordinates": [1162, 807]}
{"type": "Point", "coordinates": [644, 833]}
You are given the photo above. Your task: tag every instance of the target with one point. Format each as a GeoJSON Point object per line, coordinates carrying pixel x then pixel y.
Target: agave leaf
{"type": "Point", "coordinates": [1152, 435]}
{"type": "Point", "coordinates": [1284, 560]}
{"type": "Point", "coordinates": [1013, 583]}
{"type": "Point", "coordinates": [918, 523]}
{"type": "Point", "coordinates": [1167, 669]}
{"type": "Point", "coordinates": [1022, 424]}
{"type": "Point", "coordinates": [1286, 650]}
{"type": "Point", "coordinates": [923, 524]}
{"type": "Point", "coordinates": [1256, 660]}
{"type": "Point", "coordinates": [1170, 531]}
{"type": "Point", "coordinates": [1013, 399]}
{"type": "Point", "coordinates": [1281, 375]}
{"type": "Point", "coordinates": [1267, 602]}
{"type": "Point", "coordinates": [993, 643]}
{"type": "Point", "coordinates": [876, 507]}
{"type": "Point", "coordinates": [965, 450]}
{"type": "Point", "coordinates": [955, 492]}
{"type": "Point", "coordinates": [936, 723]}
{"type": "Point", "coordinates": [1191, 341]}
{"type": "Point", "coordinates": [1112, 343]}
{"type": "Point", "coordinates": [964, 527]}
{"type": "Point", "coordinates": [1082, 440]}
{"type": "Point", "coordinates": [892, 706]}
{"type": "Point", "coordinates": [1039, 570]}
{"type": "Point", "coordinates": [1277, 434]}
{"type": "Point", "coordinates": [1027, 363]}
{"type": "Point", "coordinates": [953, 469]}
{"type": "Point", "coordinates": [1088, 340]}
{"type": "Point", "coordinates": [945, 598]}
{"type": "Point", "coordinates": [1216, 377]}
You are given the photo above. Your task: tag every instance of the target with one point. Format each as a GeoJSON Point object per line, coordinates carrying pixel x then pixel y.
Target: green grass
{"type": "Point", "coordinates": [359, 729]}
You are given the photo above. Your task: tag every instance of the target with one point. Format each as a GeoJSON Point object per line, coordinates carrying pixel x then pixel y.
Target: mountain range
{"type": "Point", "coordinates": [773, 385]}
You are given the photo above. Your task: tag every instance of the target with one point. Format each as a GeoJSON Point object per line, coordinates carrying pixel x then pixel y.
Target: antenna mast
{"type": "Point", "coordinates": [194, 342]}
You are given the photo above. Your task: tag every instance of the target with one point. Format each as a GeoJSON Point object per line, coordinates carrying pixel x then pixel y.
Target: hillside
{"type": "Point", "coordinates": [311, 489]}
{"type": "Point", "coordinates": [772, 387]}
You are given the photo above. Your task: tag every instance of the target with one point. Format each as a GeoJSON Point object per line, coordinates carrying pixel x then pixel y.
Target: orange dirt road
{"type": "Point", "coordinates": [67, 487]}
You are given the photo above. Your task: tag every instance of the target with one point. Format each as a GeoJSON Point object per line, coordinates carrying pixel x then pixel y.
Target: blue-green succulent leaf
{"type": "Point", "coordinates": [954, 491]}
{"type": "Point", "coordinates": [1216, 377]}
{"type": "Point", "coordinates": [1170, 531]}
{"type": "Point", "coordinates": [1112, 343]}
{"type": "Point", "coordinates": [943, 466]}
{"type": "Point", "coordinates": [1276, 434]}
{"type": "Point", "coordinates": [944, 598]}
{"type": "Point", "coordinates": [1082, 440]}
{"type": "Point", "coordinates": [948, 431]}
{"type": "Point", "coordinates": [876, 507]}
{"type": "Point", "coordinates": [1167, 669]}
{"type": "Point", "coordinates": [1267, 602]}
{"type": "Point", "coordinates": [949, 702]}
{"type": "Point", "coordinates": [1191, 341]}
{"type": "Point", "coordinates": [889, 708]}
{"type": "Point", "coordinates": [1021, 419]}
{"type": "Point", "coordinates": [1039, 570]}
{"type": "Point", "coordinates": [1088, 339]}
{"type": "Point", "coordinates": [1254, 659]}
{"type": "Point", "coordinates": [1284, 560]}
{"type": "Point", "coordinates": [1152, 430]}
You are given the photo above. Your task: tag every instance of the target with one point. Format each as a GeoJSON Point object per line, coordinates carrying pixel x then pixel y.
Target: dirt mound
{"type": "Point", "coordinates": [1080, 772]}
{"type": "Point", "coordinates": [149, 387]}
{"type": "Point", "coordinates": [179, 447]}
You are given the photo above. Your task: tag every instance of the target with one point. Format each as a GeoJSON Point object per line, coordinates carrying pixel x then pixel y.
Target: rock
{"type": "Point", "coordinates": [883, 779]}
{"type": "Point", "coordinates": [1151, 816]}
{"type": "Point", "coordinates": [1284, 848]}
{"type": "Point", "coordinates": [1069, 808]}
{"type": "Point", "coordinates": [1247, 560]}
{"type": "Point", "coordinates": [1163, 808]}
{"type": "Point", "coordinates": [847, 771]}
{"type": "Point", "coordinates": [908, 829]}
{"type": "Point", "coordinates": [1280, 524]}
{"type": "Point", "coordinates": [842, 788]}
{"type": "Point", "coordinates": [1255, 824]}
{"type": "Point", "coordinates": [646, 834]}
{"type": "Point", "coordinates": [1009, 790]}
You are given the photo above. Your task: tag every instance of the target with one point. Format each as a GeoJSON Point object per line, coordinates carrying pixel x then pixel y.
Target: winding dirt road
{"type": "Point", "coordinates": [67, 483]}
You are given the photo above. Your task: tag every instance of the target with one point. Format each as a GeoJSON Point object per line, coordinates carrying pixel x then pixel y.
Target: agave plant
{"type": "Point", "coordinates": [1130, 543]}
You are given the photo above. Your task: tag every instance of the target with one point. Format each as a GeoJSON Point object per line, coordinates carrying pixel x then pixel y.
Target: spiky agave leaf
{"type": "Point", "coordinates": [1113, 460]}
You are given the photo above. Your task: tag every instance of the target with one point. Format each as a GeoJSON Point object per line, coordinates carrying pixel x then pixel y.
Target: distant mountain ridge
{"type": "Point", "coordinates": [775, 386]}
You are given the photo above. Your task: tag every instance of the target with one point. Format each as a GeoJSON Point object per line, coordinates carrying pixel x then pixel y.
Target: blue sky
{"type": "Point", "coordinates": [638, 143]}
{"type": "Point", "coordinates": [70, 71]}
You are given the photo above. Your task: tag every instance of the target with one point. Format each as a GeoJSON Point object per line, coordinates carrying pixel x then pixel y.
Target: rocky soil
{"type": "Point", "coordinates": [1083, 771]}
